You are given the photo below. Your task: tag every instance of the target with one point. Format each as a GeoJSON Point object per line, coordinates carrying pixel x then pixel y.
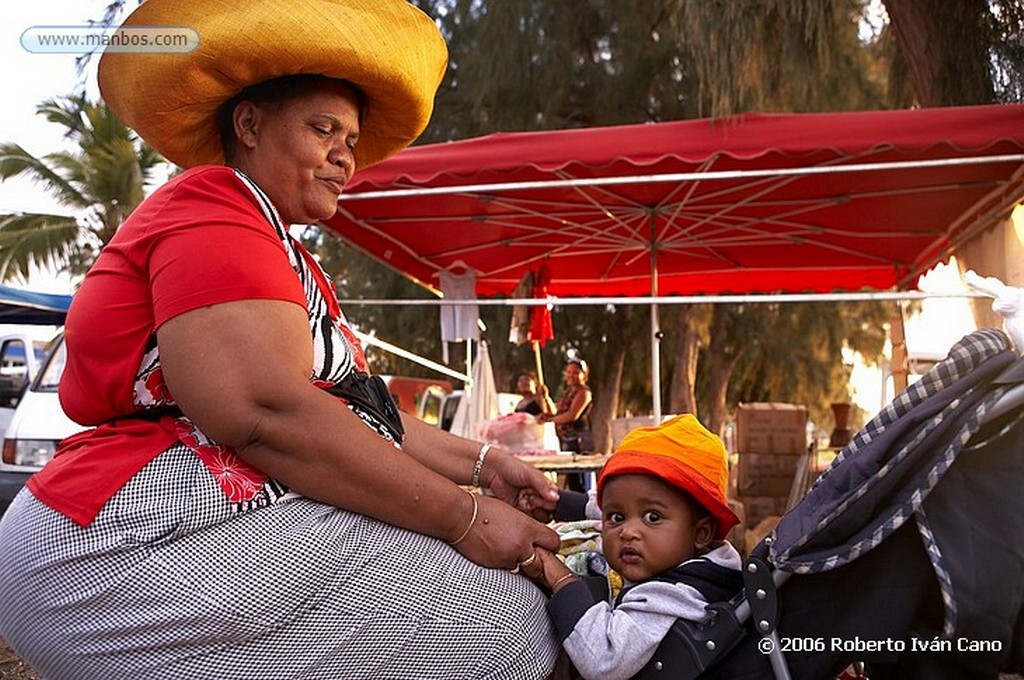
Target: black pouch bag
{"type": "Point", "coordinates": [369, 394]}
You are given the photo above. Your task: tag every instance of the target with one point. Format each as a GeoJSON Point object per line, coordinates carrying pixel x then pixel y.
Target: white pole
{"type": "Point", "coordinates": [367, 339]}
{"type": "Point", "coordinates": [680, 177]}
{"type": "Point", "coordinates": [655, 328]}
{"type": "Point", "coordinates": [469, 369]}
{"type": "Point", "coordinates": [752, 298]}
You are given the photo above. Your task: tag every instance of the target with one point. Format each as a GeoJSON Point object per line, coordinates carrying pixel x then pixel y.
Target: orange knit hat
{"type": "Point", "coordinates": [684, 454]}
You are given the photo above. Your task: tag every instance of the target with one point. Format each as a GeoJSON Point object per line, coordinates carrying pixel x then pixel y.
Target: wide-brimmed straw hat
{"type": "Point", "coordinates": [683, 453]}
{"type": "Point", "coordinates": [388, 48]}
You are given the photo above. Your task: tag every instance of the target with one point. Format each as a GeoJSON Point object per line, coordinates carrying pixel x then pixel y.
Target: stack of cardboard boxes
{"type": "Point", "coordinates": [770, 440]}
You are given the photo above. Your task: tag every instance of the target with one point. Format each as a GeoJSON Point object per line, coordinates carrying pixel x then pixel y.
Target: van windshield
{"type": "Point", "coordinates": [49, 377]}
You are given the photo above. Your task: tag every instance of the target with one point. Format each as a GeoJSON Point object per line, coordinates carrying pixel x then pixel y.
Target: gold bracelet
{"type": "Point", "coordinates": [472, 520]}
{"type": "Point", "coordinates": [558, 582]}
{"type": "Point", "coordinates": [479, 466]}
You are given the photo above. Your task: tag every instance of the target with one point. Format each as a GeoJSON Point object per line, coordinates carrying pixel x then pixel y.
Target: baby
{"type": "Point", "coordinates": [662, 496]}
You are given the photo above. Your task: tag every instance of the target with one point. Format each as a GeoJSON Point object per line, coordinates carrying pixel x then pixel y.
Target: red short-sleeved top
{"type": "Point", "coordinates": [208, 236]}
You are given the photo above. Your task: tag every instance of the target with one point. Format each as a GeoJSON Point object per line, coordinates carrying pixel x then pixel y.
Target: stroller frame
{"type": "Point", "coordinates": [987, 381]}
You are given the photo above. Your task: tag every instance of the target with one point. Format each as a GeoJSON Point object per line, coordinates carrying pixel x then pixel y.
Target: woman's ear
{"type": "Point", "coordinates": [704, 532]}
{"type": "Point", "coordinates": [245, 120]}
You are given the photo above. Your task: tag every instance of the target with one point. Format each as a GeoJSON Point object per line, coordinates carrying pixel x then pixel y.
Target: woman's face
{"type": "Point", "coordinates": [525, 385]}
{"type": "Point", "coordinates": [574, 374]}
{"type": "Point", "coordinates": [300, 151]}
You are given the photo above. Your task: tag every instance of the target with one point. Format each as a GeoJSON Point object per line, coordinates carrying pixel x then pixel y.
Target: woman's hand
{"type": "Point", "coordinates": [547, 571]}
{"type": "Point", "coordinates": [544, 399]}
{"type": "Point", "coordinates": [533, 505]}
{"type": "Point", "coordinates": [507, 478]}
{"type": "Point", "coordinates": [502, 537]}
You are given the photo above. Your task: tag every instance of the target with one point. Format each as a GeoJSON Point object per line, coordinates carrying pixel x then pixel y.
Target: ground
{"type": "Point", "coordinates": [12, 667]}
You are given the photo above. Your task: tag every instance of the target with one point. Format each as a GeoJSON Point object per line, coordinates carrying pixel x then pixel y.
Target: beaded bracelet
{"type": "Point", "coordinates": [472, 520]}
{"type": "Point", "coordinates": [479, 466]}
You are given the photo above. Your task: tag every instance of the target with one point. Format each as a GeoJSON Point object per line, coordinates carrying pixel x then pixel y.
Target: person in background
{"type": "Point", "coordinates": [249, 503]}
{"type": "Point", "coordinates": [526, 387]}
{"type": "Point", "coordinates": [662, 497]}
{"type": "Point", "coordinates": [571, 412]}
{"type": "Point", "coordinates": [571, 416]}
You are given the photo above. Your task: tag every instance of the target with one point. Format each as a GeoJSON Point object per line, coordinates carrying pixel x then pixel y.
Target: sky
{"type": "Point", "coordinates": [939, 325]}
{"type": "Point", "coordinates": [29, 78]}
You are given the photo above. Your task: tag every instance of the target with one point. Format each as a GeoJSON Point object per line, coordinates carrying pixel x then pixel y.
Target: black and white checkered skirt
{"type": "Point", "coordinates": [169, 582]}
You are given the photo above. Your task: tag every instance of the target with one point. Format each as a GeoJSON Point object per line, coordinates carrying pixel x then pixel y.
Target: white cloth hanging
{"type": "Point", "coordinates": [479, 404]}
{"type": "Point", "coordinates": [519, 327]}
{"type": "Point", "coordinates": [1008, 302]}
{"type": "Point", "coordinates": [458, 322]}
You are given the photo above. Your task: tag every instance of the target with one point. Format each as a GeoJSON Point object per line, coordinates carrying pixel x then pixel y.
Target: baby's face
{"type": "Point", "coordinates": [649, 526]}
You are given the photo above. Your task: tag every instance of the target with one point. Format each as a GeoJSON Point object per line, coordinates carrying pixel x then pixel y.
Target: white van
{"type": "Point", "coordinates": [36, 428]}
{"type": "Point", "coordinates": [23, 350]}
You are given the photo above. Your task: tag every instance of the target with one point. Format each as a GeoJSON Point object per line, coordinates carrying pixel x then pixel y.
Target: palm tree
{"type": "Point", "coordinates": [100, 181]}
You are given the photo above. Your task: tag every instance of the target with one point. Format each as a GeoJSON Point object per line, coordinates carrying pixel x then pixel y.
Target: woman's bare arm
{"type": "Point", "coordinates": [502, 474]}
{"type": "Point", "coordinates": [241, 370]}
{"type": "Point", "coordinates": [575, 410]}
{"type": "Point", "coordinates": [547, 406]}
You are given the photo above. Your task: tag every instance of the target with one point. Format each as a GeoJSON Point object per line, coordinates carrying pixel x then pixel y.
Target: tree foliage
{"type": "Point", "coordinates": [101, 181]}
{"type": "Point", "coordinates": [965, 52]}
{"type": "Point", "coordinates": [536, 65]}
{"type": "Point", "coordinates": [777, 55]}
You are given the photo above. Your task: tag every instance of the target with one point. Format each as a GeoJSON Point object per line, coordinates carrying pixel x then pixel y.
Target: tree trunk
{"type": "Point", "coordinates": [948, 60]}
{"type": "Point", "coordinates": [606, 391]}
{"type": "Point", "coordinates": [943, 45]}
{"type": "Point", "coordinates": [683, 392]}
{"type": "Point", "coordinates": [606, 401]}
{"type": "Point", "coordinates": [721, 362]}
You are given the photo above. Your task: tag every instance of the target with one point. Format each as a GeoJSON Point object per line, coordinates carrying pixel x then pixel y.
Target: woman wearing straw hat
{"type": "Point", "coordinates": [249, 503]}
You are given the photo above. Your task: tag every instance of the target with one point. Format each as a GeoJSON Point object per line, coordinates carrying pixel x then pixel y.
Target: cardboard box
{"type": "Point", "coordinates": [765, 474]}
{"type": "Point", "coordinates": [756, 534]}
{"type": "Point", "coordinates": [756, 508]}
{"type": "Point", "coordinates": [765, 427]}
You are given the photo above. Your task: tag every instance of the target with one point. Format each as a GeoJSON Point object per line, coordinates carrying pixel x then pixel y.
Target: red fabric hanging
{"type": "Point", "coordinates": [541, 329]}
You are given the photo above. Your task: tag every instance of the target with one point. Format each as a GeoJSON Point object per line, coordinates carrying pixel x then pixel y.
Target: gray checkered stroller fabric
{"type": "Point", "coordinates": [883, 477]}
{"type": "Point", "coordinates": [908, 552]}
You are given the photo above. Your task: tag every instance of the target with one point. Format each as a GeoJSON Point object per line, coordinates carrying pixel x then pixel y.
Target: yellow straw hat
{"type": "Point", "coordinates": [388, 48]}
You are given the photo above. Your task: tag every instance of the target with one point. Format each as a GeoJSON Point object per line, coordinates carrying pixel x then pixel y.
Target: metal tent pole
{"type": "Point", "coordinates": [655, 327]}
{"type": "Point", "coordinates": [679, 177]}
{"type": "Point", "coordinates": [468, 387]}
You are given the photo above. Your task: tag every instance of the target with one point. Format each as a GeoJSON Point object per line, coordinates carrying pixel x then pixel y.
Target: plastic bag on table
{"type": "Point", "coordinates": [515, 432]}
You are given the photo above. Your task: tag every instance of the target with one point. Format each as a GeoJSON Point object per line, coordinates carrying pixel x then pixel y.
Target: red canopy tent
{"type": "Point", "coordinates": [753, 203]}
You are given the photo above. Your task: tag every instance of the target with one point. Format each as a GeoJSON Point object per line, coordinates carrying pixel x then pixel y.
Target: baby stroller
{"type": "Point", "coordinates": [906, 555]}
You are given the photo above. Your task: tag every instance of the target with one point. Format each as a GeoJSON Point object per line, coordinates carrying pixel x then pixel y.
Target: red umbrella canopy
{"type": "Point", "coordinates": [755, 203]}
